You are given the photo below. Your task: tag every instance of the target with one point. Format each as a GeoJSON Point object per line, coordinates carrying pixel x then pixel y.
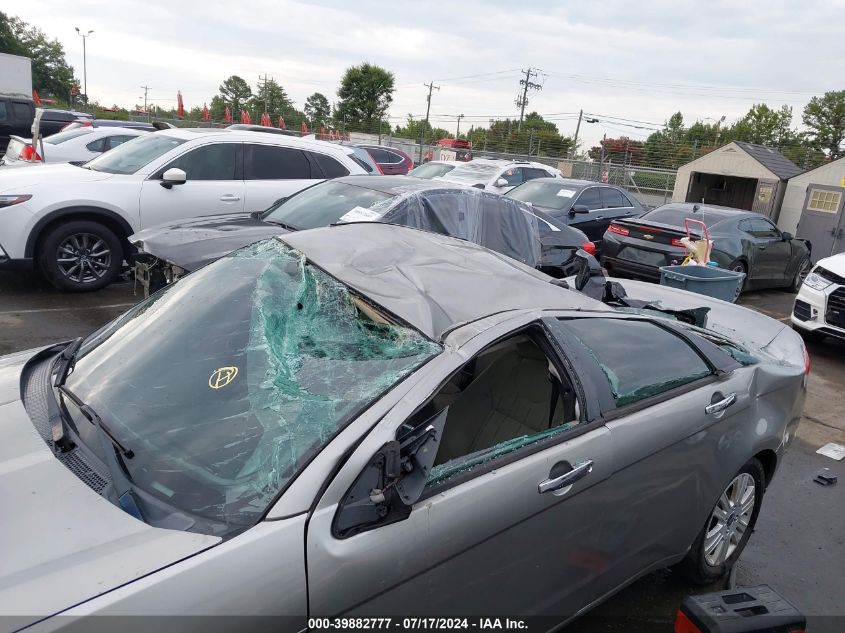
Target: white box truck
{"type": "Point", "coordinates": [16, 108]}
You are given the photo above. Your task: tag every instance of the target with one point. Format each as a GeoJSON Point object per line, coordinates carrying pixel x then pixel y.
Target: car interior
{"type": "Point", "coordinates": [509, 391]}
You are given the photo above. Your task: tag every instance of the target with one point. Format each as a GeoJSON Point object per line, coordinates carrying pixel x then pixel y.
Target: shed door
{"type": "Point", "coordinates": [821, 220]}
{"type": "Point", "coordinates": [764, 197]}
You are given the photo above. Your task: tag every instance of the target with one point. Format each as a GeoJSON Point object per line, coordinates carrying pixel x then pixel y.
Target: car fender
{"type": "Point", "coordinates": [115, 218]}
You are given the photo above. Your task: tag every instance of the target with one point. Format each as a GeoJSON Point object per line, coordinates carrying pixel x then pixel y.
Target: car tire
{"type": "Point", "coordinates": [738, 266]}
{"type": "Point", "coordinates": [80, 256]}
{"type": "Point", "coordinates": [801, 273]}
{"type": "Point", "coordinates": [711, 556]}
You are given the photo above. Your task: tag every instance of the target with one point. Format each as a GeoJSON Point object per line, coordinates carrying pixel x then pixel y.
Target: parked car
{"type": "Point", "coordinates": [95, 123]}
{"type": "Point", "coordinates": [16, 114]}
{"type": "Point", "coordinates": [72, 221]}
{"type": "Point", "coordinates": [505, 226]}
{"type": "Point", "coordinates": [743, 241]}
{"type": "Point", "coordinates": [819, 308]}
{"type": "Point", "coordinates": [54, 120]}
{"type": "Point", "coordinates": [434, 168]}
{"type": "Point", "coordinates": [374, 419]}
{"type": "Point", "coordinates": [498, 176]}
{"type": "Point", "coordinates": [251, 127]}
{"type": "Point", "coordinates": [391, 161]}
{"type": "Point", "coordinates": [77, 145]}
{"type": "Point", "coordinates": [590, 206]}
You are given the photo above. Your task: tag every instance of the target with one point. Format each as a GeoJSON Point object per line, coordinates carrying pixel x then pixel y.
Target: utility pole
{"type": "Point", "coordinates": [84, 37]}
{"type": "Point", "coordinates": [522, 100]}
{"type": "Point", "coordinates": [262, 83]}
{"type": "Point", "coordinates": [458, 130]}
{"type": "Point", "coordinates": [577, 129]}
{"type": "Point", "coordinates": [718, 130]}
{"type": "Point", "coordinates": [146, 90]}
{"type": "Point", "coordinates": [430, 87]}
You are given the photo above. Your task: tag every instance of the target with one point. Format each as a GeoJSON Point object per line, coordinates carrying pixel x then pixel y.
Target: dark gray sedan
{"type": "Point", "coordinates": [743, 241]}
{"type": "Point", "coordinates": [589, 206]}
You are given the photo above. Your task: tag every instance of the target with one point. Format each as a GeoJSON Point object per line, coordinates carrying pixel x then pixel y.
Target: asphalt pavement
{"type": "Point", "coordinates": [798, 547]}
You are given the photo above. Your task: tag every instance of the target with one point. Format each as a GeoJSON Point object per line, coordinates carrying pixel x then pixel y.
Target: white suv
{"type": "Point", "coordinates": [498, 176]}
{"type": "Point", "coordinates": [72, 222]}
{"type": "Point", "coordinates": [819, 308]}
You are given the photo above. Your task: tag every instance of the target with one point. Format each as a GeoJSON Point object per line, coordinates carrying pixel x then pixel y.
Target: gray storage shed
{"type": "Point", "coordinates": [813, 208]}
{"type": "Point", "coordinates": [739, 175]}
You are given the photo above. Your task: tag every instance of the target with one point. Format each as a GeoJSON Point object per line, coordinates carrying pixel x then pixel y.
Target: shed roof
{"type": "Point", "coordinates": [771, 159]}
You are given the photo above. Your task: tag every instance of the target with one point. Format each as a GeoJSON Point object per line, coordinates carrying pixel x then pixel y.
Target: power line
{"type": "Point", "coordinates": [496, 72]}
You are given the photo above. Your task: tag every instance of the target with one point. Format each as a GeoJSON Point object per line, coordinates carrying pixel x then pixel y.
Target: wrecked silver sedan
{"type": "Point", "coordinates": [371, 419]}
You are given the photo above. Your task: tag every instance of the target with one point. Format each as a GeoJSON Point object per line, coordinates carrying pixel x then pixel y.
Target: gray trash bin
{"type": "Point", "coordinates": [705, 280]}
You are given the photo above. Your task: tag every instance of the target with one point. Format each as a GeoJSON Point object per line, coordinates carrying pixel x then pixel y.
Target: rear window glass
{"type": "Point", "coordinates": [431, 170]}
{"type": "Point", "coordinates": [268, 162]}
{"type": "Point", "coordinates": [674, 216]}
{"type": "Point", "coordinates": [331, 168]}
{"type": "Point", "coordinates": [638, 358]}
{"type": "Point", "coordinates": [61, 137]}
{"type": "Point", "coordinates": [473, 173]}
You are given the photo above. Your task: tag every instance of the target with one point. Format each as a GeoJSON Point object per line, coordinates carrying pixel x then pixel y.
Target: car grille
{"type": "Point", "coordinates": [801, 310]}
{"type": "Point", "coordinates": [835, 314]}
{"type": "Point", "coordinates": [823, 272]}
{"type": "Point", "coordinates": [37, 381]}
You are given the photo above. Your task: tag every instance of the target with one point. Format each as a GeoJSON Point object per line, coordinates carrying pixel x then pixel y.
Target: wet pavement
{"type": "Point", "coordinates": [798, 546]}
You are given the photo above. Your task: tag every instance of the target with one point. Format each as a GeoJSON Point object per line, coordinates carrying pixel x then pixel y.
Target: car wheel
{"type": "Point", "coordinates": [80, 256]}
{"type": "Point", "coordinates": [728, 526]}
{"type": "Point", "coordinates": [739, 267]}
{"type": "Point", "coordinates": [800, 275]}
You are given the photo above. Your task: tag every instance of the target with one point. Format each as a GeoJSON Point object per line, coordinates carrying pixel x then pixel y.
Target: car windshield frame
{"type": "Point", "coordinates": [219, 425]}
{"type": "Point", "coordinates": [132, 156]}
{"type": "Point", "coordinates": [535, 185]}
{"type": "Point", "coordinates": [323, 204]}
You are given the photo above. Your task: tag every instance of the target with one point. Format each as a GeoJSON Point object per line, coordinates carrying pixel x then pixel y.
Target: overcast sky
{"type": "Point", "coordinates": [638, 61]}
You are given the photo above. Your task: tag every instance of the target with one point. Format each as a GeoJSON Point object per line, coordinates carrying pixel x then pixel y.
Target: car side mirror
{"type": "Point", "coordinates": [501, 182]}
{"type": "Point", "coordinates": [173, 176]}
{"type": "Point", "coordinates": [589, 269]}
{"type": "Point", "coordinates": [787, 236]}
{"type": "Point", "coordinates": [480, 185]}
{"type": "Point", "coordinates": [392, 481]}
{"type": "Point", "coordinates": [579, 208]}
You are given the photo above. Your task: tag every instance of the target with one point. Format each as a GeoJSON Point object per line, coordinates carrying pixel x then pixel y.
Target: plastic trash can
{"type": "Point", "coordinates": [705, 280]}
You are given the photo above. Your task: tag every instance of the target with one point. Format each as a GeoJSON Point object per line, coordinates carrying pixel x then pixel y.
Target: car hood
{"type": "Point", "coordinates": [22, 180]}
{"type": "Point", "coordinates": [62, 543]}
{"type": "Point", "coordinates": [194, 243]}
{"type": "Point", "coordinates": [835, 264]}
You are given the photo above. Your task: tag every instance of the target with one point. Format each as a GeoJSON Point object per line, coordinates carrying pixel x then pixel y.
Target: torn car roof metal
{"type": "Point", "coordinates": [433, 282]}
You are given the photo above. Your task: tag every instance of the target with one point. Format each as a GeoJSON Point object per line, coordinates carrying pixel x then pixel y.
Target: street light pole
{"type": "Point", "coordinates": [84, 37]}
{"type": "Point", "coordinates": [458, 131]}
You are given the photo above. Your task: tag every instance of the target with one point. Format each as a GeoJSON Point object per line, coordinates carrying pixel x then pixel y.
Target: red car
{"type": "Point", "coordinates": [391, 161]}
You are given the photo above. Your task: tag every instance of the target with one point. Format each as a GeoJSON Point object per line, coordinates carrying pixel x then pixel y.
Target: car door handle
{"type": "Point", "coordinates": [579, 471]}
{"type": "Point", "coordinates": [229, 197]}
{"type": "Point", "coordinates": [721, 405]}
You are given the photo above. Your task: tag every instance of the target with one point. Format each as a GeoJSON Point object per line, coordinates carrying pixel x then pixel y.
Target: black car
{"type": "Point", "coordinates": [588, 205]}
{"type": "Point", "coordinates": [503, 225]}
{"type": "Point", "coordinates": [54, 121]}
{"type": "Point", "coordinates": [742, 241]}
{"type": "Point", "coordinates": [16, 115]}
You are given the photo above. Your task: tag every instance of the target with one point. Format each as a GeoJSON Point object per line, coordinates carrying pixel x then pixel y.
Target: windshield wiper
{"type": "Point", "coordinates": [281, 224]}
{"type": "Point", "coordinates": [66, 361]}
{"type": "Point", "coordinates": [97, 421]}
{"type": "Point", "coordinates": [57, 416]}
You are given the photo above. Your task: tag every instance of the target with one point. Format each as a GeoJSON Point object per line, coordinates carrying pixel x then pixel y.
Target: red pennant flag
{"type": "Point", "coordinates": [35, 98]}
{"type": "Point", "coordinates": [303, 128]}
{"type": "Point", "coordinates": [281, 122]}
{"type": "Point", "coordinates": [180, 107]}
{"type": "Point", "coordinates": [206, 116]}
{"type": "Point", "coordinates": [228, 115]}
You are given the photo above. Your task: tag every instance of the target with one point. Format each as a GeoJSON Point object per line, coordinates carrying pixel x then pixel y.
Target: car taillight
{"type": "Point", "coordinates": [677, 242]}
{"type": "Point", "coordinates": [27, 153]}
{"type": "Point", "coordinates": [619, 230]}
{"type": "Point", "coordinates": [684, 625]}
{"type": "Point", "coordinates": [806, 360]}
{"type": "Point", "coordinates": [589, 247]}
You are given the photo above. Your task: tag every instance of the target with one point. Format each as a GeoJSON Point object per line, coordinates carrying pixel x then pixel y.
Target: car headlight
{"type": "Point", "coordinates": [817, 282]}
{"type": "Point", "coordinates": [9, 199]}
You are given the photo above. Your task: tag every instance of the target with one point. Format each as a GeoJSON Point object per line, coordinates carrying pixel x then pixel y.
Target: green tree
{"type": "Point", "coordinates": [217, 109]}
{"type": "Point", "coordinates": [413, 128]}
{"type": "Point", "coordinates": [668, 147]}
{"type": "Point", "coordinates": [764, 126]}
{"type": "Point", "coordinates": [317, 109]}
{"type": "Point", "coordinates": [271, 98]}
{"type": "Point", "coordinates": [235, 93]}
{"type": "Point", "coordinates": [365, 93]}
{"type": "Point", "coordinates": [537, 138]}
{"type": "Point", "coordinates": [825, 118]}
{"type": "Point", "coordinates": [51, 74]}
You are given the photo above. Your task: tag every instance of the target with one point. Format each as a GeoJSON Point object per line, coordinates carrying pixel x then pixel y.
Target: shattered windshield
{"type": "Point", "coordinates": [225, 383]}
{"type": "Point", "coordinates": [328, 203]}
{"type": "Point", "coordinates": [638, 358]}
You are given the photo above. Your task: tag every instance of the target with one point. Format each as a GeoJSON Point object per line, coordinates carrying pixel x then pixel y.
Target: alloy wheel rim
{"type": "Point", "coordinates": [730, 520]}
{"type": "Point", "coordinates": [738, 268]}
{"type": "Point", "coordinates": [83, 257]}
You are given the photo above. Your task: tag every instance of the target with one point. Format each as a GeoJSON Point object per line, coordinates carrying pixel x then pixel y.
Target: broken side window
{"type": "Point", "coordinates": [509, 396]}
{"type": "Point", "coordinates": [638, 358]}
